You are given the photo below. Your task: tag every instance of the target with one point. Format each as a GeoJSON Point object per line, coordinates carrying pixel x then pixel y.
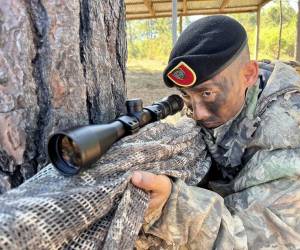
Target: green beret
{"type": "Point", "coordinates": [204, 48]}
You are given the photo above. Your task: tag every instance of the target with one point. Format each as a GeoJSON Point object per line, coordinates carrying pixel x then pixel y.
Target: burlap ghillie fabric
{"type": "Point", "coordinates": [100, 209]}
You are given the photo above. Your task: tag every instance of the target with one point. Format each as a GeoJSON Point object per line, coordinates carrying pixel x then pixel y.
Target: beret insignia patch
{"type": "Point", "coordinates": [182, 75]}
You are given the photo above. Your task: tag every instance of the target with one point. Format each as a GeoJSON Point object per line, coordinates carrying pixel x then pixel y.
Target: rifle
{"type": "Point", "coordinates": [75, 149]}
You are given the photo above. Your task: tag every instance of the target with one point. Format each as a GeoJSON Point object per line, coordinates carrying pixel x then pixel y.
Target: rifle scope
{"type": "Point", "coordinates": [77, 148]}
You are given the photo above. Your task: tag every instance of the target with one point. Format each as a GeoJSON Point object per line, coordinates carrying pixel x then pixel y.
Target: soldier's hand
{"type": "Point", "coordinates": [159, 186]}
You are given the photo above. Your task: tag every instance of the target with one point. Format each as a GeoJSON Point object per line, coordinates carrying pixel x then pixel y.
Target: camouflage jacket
{"type": "Point", "coordinates": [257, 205]}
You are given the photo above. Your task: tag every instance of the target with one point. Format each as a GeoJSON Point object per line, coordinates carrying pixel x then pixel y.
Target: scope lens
{"type": "Point", "coordinates": [69, 151]}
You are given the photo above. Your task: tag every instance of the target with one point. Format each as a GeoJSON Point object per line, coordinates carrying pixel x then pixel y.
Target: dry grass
{"type": "Point", "coordinates": [144, 80]}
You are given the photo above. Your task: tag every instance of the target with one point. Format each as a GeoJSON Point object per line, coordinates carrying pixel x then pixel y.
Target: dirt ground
{"type": "Point", "coordinates": [144, 80]}
{"type": "Point", "coordinates": [148, 86]}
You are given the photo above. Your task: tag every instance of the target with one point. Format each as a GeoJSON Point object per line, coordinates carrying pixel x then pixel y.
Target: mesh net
{"type": "Point", "coordinates": [100, 208]}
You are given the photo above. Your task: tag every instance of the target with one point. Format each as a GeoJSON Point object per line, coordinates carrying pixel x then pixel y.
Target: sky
{"type": "Point", "coordinates": [294, 4]}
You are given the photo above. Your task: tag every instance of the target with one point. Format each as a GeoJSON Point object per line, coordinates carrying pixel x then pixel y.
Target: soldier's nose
{"type": "Point", "coordinates": [200, 113]}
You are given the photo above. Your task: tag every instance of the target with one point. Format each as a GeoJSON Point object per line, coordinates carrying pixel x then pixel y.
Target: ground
{"type": "Point", "coordinates": [144, 80]}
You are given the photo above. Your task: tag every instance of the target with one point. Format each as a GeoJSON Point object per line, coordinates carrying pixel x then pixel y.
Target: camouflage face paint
{"type": "Point", "coordinates": [225, 101]}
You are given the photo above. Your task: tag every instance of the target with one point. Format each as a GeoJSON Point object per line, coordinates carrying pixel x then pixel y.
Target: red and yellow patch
{"type": "Point", "coordinates": [182, 75]}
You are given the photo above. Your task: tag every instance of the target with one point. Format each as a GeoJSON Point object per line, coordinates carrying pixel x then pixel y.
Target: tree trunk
{"type": "Point", "coordinates": [62, 63]}
{"type": "Point", "coordinates": [297, 49]}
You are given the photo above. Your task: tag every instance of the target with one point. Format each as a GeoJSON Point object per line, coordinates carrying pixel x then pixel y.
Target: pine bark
{"type": "Point", "coordinates": [62, 64]}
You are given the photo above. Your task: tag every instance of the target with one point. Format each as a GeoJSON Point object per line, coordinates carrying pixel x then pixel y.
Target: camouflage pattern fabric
{"type": "Point", "coordinates": [258, 153]}
{"type": "Point", "coordinates": [100, 209]}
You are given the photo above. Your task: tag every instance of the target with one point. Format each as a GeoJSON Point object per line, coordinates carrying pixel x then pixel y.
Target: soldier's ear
{"type": "Point", "coordinates": [250, 73]}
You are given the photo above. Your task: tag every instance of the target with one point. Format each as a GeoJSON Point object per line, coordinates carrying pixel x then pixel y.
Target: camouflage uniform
{"type": "Point", "coordinates": [257, 204]}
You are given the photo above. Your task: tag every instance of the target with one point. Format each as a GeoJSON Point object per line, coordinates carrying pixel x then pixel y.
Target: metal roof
{"type": "Point", "coordinates": [142, 9]}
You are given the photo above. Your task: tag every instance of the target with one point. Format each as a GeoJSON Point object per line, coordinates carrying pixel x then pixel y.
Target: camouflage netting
{"type": "Point", "coordinates": [100, 208]}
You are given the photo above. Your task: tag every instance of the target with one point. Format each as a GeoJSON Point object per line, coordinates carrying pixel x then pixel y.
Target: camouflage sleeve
{"type": "Point", "coordinates": [263, 212]}
{"type": "Point", "coordinates": [193, 218]}
{"type": "Point", "coordinates": [260, 217]}
{"type": "Point", "coordinates": [267, 189]}
{"type": "Point", "coordinates": [270, 214]}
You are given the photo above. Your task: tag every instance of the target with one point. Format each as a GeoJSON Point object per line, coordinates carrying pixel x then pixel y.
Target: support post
{"type": "Point", "coordinates": [180, 24]}
{"type": "Point", "coordinates": [257, 32]}
{"type": "Point", "coordinates": [184, 7]}
{"type": "Point", "coordinates": [174, 21]}
{"type": "Point", "coordinates": [280, 31]}
{"type": "Point", "coordinates": [223, 5]}
{"type": "Point", "coordinates": [149, 5]}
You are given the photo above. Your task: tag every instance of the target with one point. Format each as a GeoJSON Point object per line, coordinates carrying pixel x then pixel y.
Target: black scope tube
{"type": "Point", "coordinates": [73, 150]}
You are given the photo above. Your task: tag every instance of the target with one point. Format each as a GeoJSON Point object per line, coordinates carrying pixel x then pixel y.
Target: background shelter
{"type": "Point", "coordinates": [143, 9]}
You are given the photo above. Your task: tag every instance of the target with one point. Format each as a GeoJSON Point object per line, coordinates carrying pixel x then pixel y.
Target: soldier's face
{"type": "Point", "coordinates": [217, 100]}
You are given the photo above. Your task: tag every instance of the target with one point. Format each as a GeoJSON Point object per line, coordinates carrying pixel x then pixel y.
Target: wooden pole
{"type": "Point", "coordinates": [280, 31]}
{"type": "Point", "coordinates": [224, 4]}
{"type": "Point", "coordinates": [149, 5]}
{"type": "Point", "coordinates": [257, 32]}
{"type": "Point", "coordinates": [174, 21]}
{"type": "Point", "coordinates": [180, 24]}
{"type": "Point", "coordinates": [184, 7]}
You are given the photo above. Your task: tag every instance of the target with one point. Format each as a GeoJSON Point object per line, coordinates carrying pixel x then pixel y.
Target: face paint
{"type": "Point", "coordinates": [226, 100]}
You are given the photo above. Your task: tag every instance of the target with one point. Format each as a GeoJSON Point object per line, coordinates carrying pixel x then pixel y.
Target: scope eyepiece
{"type": "Point", "coordinates": [167, 106]}
{"type": "Point", "coordinates": [175, 102]}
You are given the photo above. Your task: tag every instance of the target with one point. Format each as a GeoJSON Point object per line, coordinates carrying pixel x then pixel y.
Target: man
{"type": "Point", "coordinates": [251, 125]}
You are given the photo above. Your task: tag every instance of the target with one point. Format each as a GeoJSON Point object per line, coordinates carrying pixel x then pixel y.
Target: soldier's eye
{"type": "Point", "coordinates": [207, 93]}
{"type": "Point", "coordinates": [183, 93]}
